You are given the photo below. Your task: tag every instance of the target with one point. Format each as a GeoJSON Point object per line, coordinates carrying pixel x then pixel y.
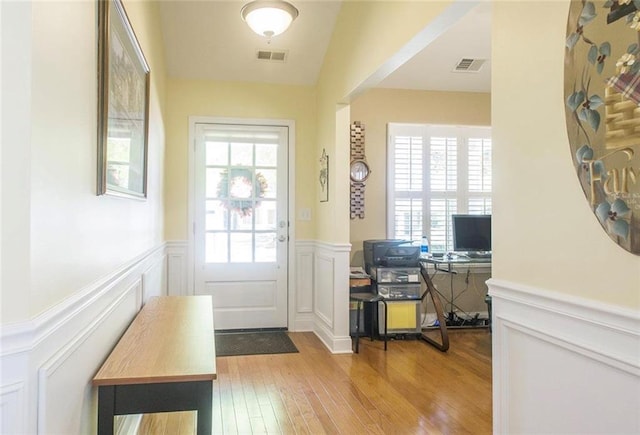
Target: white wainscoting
{"type": "Point", "coordinates": [301, 296]}
{"type": "Point", "coordinates": [178, 268]}
{"type": "Point", "coordinates": [563, 364]}
{"type": "Point", "coordinates": [12, 415]}
{"type": "Point", "coordinates": [48, 362]}
{"type": "Point", "coordinates": [72, 368]}
{"type": "Point", "coordinates": [331, 295]}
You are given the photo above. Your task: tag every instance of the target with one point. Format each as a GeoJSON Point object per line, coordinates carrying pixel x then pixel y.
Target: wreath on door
{"type": "Point", "coordinates": [240, 191]}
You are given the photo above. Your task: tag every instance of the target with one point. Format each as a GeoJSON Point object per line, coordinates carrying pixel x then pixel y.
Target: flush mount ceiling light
{"type": "Point", "coordinates": [269, 17]}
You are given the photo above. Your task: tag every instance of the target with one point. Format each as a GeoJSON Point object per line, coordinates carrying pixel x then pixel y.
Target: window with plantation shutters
{"type": "Point", "coordinates": [407, 204]}
{"type": "Point", "coordinates": [434, 172]}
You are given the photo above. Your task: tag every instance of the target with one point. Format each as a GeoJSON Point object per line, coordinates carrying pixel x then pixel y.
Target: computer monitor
{"type": "Point", "coordinates": [471, 232]}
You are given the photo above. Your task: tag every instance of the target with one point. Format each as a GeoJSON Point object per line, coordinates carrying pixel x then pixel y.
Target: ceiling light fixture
{"type": "Point", "coordinates": [269, 17]}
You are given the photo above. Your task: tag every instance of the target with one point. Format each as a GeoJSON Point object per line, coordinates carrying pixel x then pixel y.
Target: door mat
{"type": "Point", "coordinates": [253, 343]}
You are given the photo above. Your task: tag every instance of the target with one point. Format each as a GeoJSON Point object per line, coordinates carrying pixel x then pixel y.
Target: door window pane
{"type": "Point", "coordinates": [266, 247]}
{"type": "Point", "coordinates": [242, 154]}
{"type": "Point", "coordinates": [241, 184]}
{"type": "Point", "coordinates": [213, 178]}
{"type": "Point", "coordinates": [267, 155]}
{"type": "Point", "coordinates": [269, 182]}
{"type": "Point", "coordinates": [266, 216]}
{"type": "Point", "coordinates": [241, 247]}
{"type": "Point", "coordinates": [212, 205]}
{"type": "Point", "coordinates": [239, 221]}
{"type": "Point", "coordinates": [216, 220]}
{"type": "Point", "coordinates": [217, 153]}
{"type": "Point", "coordinates": [216, 248]}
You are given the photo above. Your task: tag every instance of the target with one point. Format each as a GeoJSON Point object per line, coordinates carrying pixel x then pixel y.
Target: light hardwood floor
{"type": "Point", "coordinates": [410, 389]}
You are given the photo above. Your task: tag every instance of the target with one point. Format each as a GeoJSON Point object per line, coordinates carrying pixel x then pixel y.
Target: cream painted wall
{"type": "Point", "coordinates": [16, 131]}
{"type": "Point", "coordinates": [73, 237]}
{"type": "Point", "coordinates": [545, 235]}
{"type": "Point", "coordinates": [367, 35]}
{"type": "Point", "coordinates": [242, 100]}
{"type": "Point", "coordinates": [378, 107]}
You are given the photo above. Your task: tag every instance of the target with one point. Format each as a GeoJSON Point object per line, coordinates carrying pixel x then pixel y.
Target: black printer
{"type": "Point", "coordinates": [390, 253]}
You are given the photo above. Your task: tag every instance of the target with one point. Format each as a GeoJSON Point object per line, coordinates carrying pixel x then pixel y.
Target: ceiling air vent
{"type": "Point", "coordinates": [469, 65]}
{"type": "Point", "coordinates": [272, 55]}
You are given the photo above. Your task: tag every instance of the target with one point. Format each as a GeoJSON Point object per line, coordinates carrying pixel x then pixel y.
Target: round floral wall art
{"type": "Point", "coordinates": [602, 98]}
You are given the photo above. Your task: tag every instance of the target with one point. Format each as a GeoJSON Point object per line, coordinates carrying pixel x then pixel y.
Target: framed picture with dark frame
{"type": "Point", "coordinates": [123, 105]}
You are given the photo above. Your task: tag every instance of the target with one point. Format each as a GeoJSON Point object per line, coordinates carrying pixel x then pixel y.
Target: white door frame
{"type": "Point", "coordinates": [193, 120]}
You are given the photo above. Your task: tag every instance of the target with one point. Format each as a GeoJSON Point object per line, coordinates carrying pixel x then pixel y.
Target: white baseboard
{"type": "Point", "coordinates": [303, 323]}
{"type": "Point", "coordinates": [335, 344]}
{"type": "Point", "coordinates": [563, 364]}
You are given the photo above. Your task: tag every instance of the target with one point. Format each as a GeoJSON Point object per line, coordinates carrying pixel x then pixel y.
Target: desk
{"type": "Point", "coordinates": [431, 291]}
{"type": "Point", "coordinates": [447, 265]}
{"type": "Point", "coordinates": [165, 361]}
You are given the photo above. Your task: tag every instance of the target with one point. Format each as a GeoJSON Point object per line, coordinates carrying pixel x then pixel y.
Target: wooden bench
{"type": "Point", "coordinates": [165, 361]}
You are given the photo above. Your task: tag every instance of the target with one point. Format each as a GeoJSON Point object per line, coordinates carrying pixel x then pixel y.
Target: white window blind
{"type": "Point", "coordinates": [434, 172]}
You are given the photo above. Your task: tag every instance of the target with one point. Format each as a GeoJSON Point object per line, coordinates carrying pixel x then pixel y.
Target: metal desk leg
{"type": "Point", "coordinates": [444, 346]}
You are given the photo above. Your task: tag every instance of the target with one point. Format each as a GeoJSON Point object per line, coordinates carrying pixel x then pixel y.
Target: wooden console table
{"type": "Point", "coordinates": [165, 361]}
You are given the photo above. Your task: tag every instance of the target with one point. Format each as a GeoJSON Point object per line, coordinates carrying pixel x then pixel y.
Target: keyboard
{"type": "Point", "coordinates": [479, 254]}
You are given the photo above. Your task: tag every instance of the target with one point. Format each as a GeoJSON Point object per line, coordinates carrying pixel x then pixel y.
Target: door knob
{"type": "Point", "coordinates": [282, 238]}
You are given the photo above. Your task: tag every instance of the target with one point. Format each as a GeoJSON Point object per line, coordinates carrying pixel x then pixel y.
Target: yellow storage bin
{"type": "Point", "coordinates": [403, 317]}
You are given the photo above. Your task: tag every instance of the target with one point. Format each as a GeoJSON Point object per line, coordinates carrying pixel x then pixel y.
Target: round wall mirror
{"type": "Point", "coordinates": [602, 98]}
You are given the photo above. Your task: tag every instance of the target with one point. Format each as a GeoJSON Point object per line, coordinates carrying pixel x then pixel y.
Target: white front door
{"type": "Point", "coordinates": [241, 223]}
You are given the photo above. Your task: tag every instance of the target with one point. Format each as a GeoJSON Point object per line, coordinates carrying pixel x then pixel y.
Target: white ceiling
{"type": "Point", "coordinates": [209, 40]}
